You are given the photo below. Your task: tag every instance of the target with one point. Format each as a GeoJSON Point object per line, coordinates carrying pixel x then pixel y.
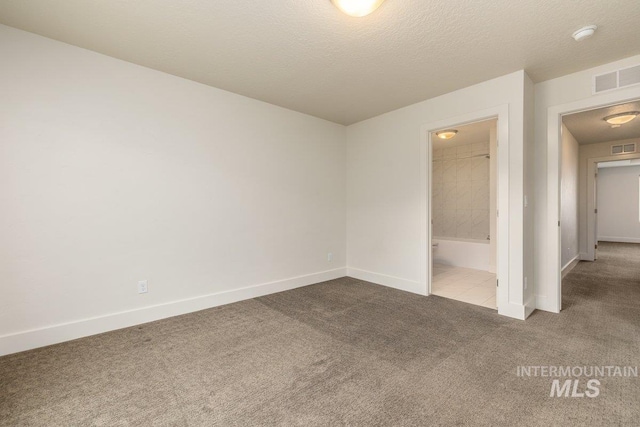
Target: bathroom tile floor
{"type": "Point", "coordinates": [464, 284]}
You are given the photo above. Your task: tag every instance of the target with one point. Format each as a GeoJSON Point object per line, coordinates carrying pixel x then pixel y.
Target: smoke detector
{"type": "Point", "coordinates": [584, 32]}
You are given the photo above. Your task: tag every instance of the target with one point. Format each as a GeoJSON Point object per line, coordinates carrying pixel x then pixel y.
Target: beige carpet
{"type": "Point", "coordinates": [344, 352]}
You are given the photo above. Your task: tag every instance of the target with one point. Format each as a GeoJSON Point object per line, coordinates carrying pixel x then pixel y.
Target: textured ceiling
{"type": "Point", "coordinates": [307, 56]}
{"type": "Point", "coordinates": [589, 127]}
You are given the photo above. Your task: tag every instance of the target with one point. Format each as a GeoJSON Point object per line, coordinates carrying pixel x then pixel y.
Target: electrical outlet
{"type": "Point", "coordinates": [330, 257]}
{"type": "Point", "coordinates": [143, 288]}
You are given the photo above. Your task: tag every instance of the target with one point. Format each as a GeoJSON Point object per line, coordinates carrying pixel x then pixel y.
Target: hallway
{"type": "Point", "coordinates": [609, 284]}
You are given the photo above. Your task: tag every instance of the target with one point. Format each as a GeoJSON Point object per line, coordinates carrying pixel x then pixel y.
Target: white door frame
{"type": "Point", "coordinates": [500, 112]}
{"type": "Point", "coordinates": [592, 164]}
{"type": "Point", "coordinates": [553, 230]}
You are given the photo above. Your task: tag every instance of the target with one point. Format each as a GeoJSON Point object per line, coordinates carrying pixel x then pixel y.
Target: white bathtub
{"type": "Point", "coordinates": [462, 253]}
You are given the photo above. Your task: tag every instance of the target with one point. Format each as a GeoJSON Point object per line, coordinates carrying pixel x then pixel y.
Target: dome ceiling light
{"type": "Point", "coordinates": [357, 8]}
{"type": "Point", "coordinates": [617, 120]}
{"type": "Point", "coordinates": [447, 134]}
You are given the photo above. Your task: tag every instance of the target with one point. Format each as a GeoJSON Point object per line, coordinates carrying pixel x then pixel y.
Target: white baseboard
{"type": "Point", "coordinates": [585, 257]}
{"type": "Point", "coordinates": [575, 258]}
{"type": "Point", "coordinates": [390, 281]}
{"type": "Point", "coordinates": [528, 310]}
{"type": "Point", "coordinates": [570, 265]}
{"type": "Point", "coordinates": [543, 303]}
{"type": "Point", "coordinates": [515, 311]}
{"type": "Point", "coordinates": [619, 239]}
{"type": "Point", "coordinates": [530, 305]}
{"type": "Point", "coordinates": [54, 334]}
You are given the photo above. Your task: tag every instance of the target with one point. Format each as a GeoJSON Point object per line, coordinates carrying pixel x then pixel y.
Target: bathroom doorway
{"type": "Point", "coordinates": [463, 213]}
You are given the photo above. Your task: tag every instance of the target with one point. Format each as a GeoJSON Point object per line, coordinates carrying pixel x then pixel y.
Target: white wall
{"type": "Point", "coordinates": [618, 204]}
{"type": "Point", "coordinates": [572, 93]}
{"type": "Point", "coordinates": [569, 197]}
{"type": "Point", "coordinates": [111, 173]}
{"type": "Point", "coordinates": [383, 184]}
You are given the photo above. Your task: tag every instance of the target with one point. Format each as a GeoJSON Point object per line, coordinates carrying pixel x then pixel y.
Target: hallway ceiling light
{"type": "Point", "coordinates": [447, 134]}
{"type": "Point", "coordinates": [357, 8]}
{"type": "Point", "coordinates": [621, 118]}
{"type": "Point", "coordinates": [584, 33]}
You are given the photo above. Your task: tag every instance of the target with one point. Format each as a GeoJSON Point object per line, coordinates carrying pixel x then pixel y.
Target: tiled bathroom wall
{"type": "Point", "coordinates": [460, 198]}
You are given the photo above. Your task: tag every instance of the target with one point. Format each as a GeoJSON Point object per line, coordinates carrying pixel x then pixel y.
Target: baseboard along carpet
{"type": "Point", "coordinates": [346, 352]}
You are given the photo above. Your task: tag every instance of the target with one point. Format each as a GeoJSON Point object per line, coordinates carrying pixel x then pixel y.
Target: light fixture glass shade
{"type": "Point", "coordinates": [622, 118]}
{"type": "Point", "coordinates": [447, 134]}
{"type": "Point", "coordinates": [357, 8]}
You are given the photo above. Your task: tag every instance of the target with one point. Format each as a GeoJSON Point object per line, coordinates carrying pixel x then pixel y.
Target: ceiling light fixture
{"type": "Point", "coordinates": [357, 8]}
{"type": "Point", "coordinates": [584, 32]}
{"type": "Point", "coordinates": [621, 118]}
{"type": "Point", "coordinates": [447, 134]}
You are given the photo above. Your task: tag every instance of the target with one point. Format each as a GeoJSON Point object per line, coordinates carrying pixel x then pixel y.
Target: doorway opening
{"type": "Point", "coordinates": [617, 201]}
{"type": "Point", "coordinates": [463, 213]}
{"type": "Point", "coordinates": [502, 238]}
{"type": "Point", "coordinates": [599, 184]}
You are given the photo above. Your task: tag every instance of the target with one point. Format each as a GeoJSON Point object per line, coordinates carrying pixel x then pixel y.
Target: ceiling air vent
{"type": "Point", "coordinates": [623, 149]}
{"type": "Point", "coordinates": [616, 79]}
{"type": "Point", "coordinates": [605, 82]}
